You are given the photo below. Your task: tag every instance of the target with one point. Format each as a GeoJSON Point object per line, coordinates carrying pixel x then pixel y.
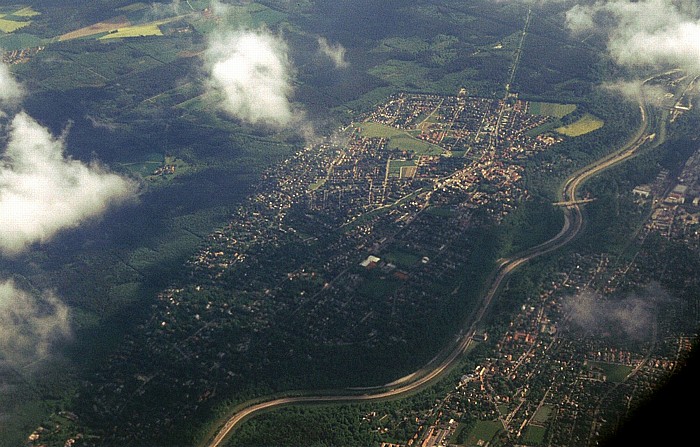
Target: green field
{"type": "Point", "coordinates": [543, 414]}
{"type": "Point", "coordinates": [402, 259]}
{"type": "Point", "coordinates": [587, 124]}
{"type": "Point", "coordinates": [144, 168]}
{"type": "Point", "coordinates": [13, 19]}
{"type": "Point", "coordinates": [147, 29]}
{"type": "Point", "coordinates": [18, 41]}
{"type": "Point", "coordinates": [26, 12]}
{"type": "Point", "coordinates": [399, 139]}
{"type": "Point", "coordinates": [613, 372]}
{"type": "Point", "coordinates": [9, 26]}
{"type": "Point", "coordinates": [534, 435]}
{"type": "Point", "coordinates": [551, 109]}
{"type": "Point", "coordinates": [441, 211]}
{"type": "Point", "coordinates": [483, 431]}
{"type": "Point", "coordinates": [252, 15]}
{"type": "Point", "coordinates": [397, 166]}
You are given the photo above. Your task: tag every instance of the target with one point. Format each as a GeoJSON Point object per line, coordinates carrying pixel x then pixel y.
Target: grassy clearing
{"type": "Point", "coordinates": [402, 259]}
{"type": "Point", "coordinates": [397, 167]}
{"type": "Point", "coordinates": [9, 26]}
{"type": "Point", "coordinates": [26, 12]}
{"type": "Point", "coordinates": [409, 143]}
{"type": "Point", "coordinates": [483, 431]}
{"type": "Point", "coordinates": [534, 435]}
{"type": "Point", "coordinates": [613, 372]}
{"type": "Point", "coordinates": [18, 41]}
{"type": "Point", "coordinates": [587, 124]}
{"type": "Point", "coordinates": [441, 211]}
{"type": "Point", "coordinates": [543, 414]}
{"type": "Point", "coordinates": [378, 130]}
{"type": "Point", "coordinates": [399, 139]}
{"type": "Point", "coordinates": [551, 109]}
{"type": "Point", "coordinates": [150, 163]}
{"type": "Point", "coordinates": [314, 186]}
{"type": "Point", "coordinates": [147, 29]}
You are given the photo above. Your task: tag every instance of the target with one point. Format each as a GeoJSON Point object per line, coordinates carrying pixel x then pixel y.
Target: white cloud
{"type": "Point", "coordinates": [336, 52]}
{"type": "Point", "coordinates": [11, 91]}
{"type": "Point", "coordinates": [29, 325]}
{"type": "Point", "coordinates": [630, 316]}
{"type": "Point", "coordinates": [636, 91]}
{"type": "Point", "coordinates": [652, 33]}
{"type": "Point", "coordinates": [251, 72]}
{"type": "Point", "coordinates": [42, 191]}
{"type": "Point", "coordinates": [219, 8]}
{"type": "Point", "coordinates": [159, 10]}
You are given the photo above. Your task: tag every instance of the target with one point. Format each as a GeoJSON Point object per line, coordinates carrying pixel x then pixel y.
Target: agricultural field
{"type": "Point", "coordinates": [100, 28]}
{"type": "Point", "coordinates": [147, 29]}
{"type": "Point", "coordinates": [19, 41]}
{"type": "Point", "coordinates": [586, 124]}
{"type": "Point", "coordinates": [551, 109]}
{"type": "Point", "coordinates": [10, 26]}
{"type": "Point", "coordinates": [26, 12]}
{"type": "Point", "coordinates": [13, 19]}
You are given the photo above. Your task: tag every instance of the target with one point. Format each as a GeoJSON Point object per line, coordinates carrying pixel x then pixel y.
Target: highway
{"type": "Point", "coordinates": [573, 223]}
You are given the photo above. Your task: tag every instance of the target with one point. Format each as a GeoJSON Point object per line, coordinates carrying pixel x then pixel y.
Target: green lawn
{"type": "Point", "coordinates": [614, 372]}
{"type": "Point", "coordinates": [534, 435]}
{"type": "Point", "coordinates": [543, 414]}
{"type": "Point", "coordinates": [9, 26]}
{"type": "Point", "coordinates": [551, 109]}
{"type": "Point", "coordinates": [483, 431]}
{"type": "Point", "coordinates": [402, 259]}
{"type": "Point", "coordinates": [399, 139]}
{"type": "Point", "coordinates": [396, 165]}
{"type": "Point", "coordinates": [149, 163]}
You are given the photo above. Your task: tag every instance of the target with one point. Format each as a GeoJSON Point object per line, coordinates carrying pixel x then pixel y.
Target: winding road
{"type": "Point", "coordinates": [573, 223]}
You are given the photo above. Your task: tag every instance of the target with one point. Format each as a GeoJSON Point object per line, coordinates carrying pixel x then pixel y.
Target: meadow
{"type": "Point", "coordinates": [551, 109]}
{"type": "Point", "coordinates": [615, 373]}
{"type": "Point", "coordinates": [399, 139]}
{"type": "Point", "coordinates": [586, 124]}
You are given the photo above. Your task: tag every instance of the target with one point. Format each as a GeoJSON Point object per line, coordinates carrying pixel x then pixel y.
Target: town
{"type": "Point", "coordinates": [356, 242]}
